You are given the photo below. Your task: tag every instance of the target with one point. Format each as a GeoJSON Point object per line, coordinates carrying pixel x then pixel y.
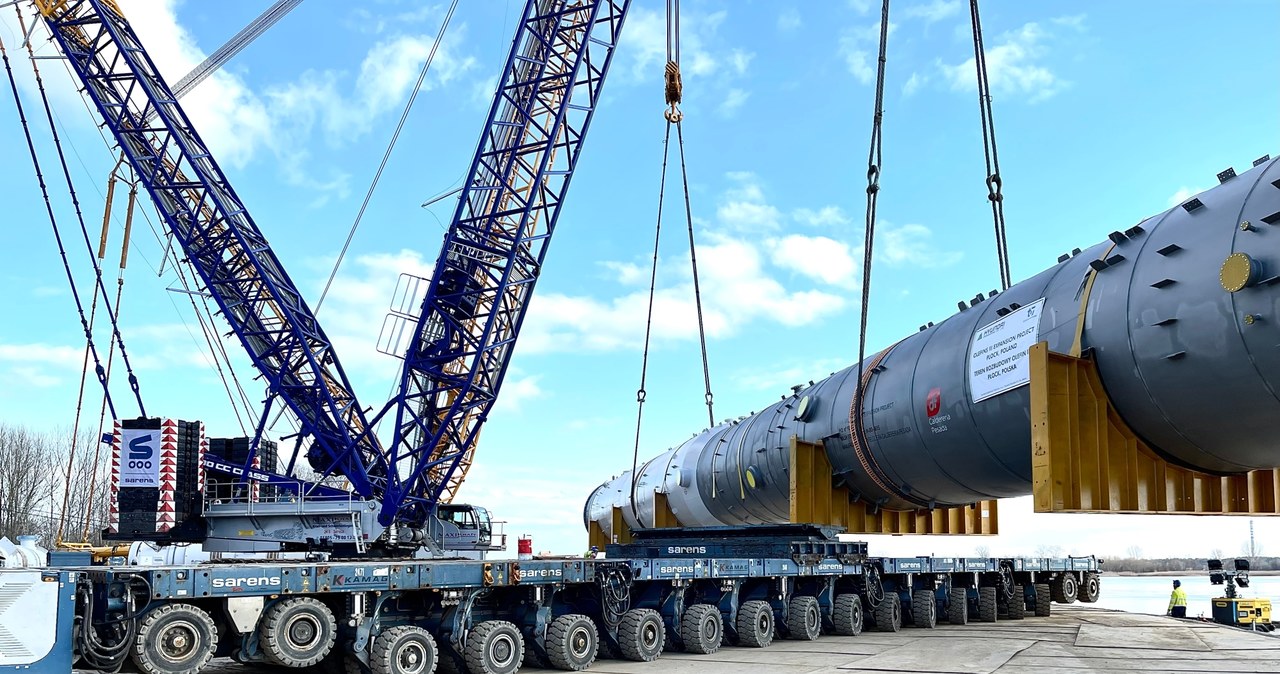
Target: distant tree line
{"type": "Point", "coordinates": [1139, 565]}
{"type": "Point", "coordinates": [38, 471]}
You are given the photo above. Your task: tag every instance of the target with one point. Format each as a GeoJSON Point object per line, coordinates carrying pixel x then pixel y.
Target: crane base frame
{"type": "Point", "coordinates": [1086, 459]}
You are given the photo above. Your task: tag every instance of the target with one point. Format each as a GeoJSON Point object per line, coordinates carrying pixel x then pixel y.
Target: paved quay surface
{"type": "Point", "coordinates": [1074, 640]}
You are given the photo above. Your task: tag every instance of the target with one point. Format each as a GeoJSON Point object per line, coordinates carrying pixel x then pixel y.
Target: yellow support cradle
{"type": "Point", "coordinates": [1085, 459]}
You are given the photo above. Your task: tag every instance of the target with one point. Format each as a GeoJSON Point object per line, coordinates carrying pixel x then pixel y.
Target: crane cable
{"type": "Point", "coordinates": [84, 230]}
{"type": "Point", "coordinates": [673, 91]}
{"type": "Point", "coordinates": [874, 158]}
{"type": "Point", "coordinates": [84, 366]}
{"type": "Point", "coordinates": [57, 235]}
{"type": "Point", "coordinates": [994, 182]}
{"type": "Point", "coordinates": [373, 185]}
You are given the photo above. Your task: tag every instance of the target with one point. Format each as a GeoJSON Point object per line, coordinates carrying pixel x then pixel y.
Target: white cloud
{"type": "Point", "coordinates": [816, 257]}
{"type": "Point", "coordinates": [934, 11]}
{"type": "Point", "coordinates": [1184, 193]}
{"type": "Point", "coordinates": [743, 205]}
{"type": "Point", "coordinates": [914, 83]}
{"type": "Point", "coordinates": [732, 101]}
{"type": "Point", "coordinates": [239, 123]}
{"type": "Point", "coordinates": [912, 244]}
{"type": "Point", "coordinates": [515, 392]}
{"type": "Point", "coordinates": [860, 6]}
{"type": "Point", "coordinates": [1014, 67]}
{"type": "Point", "coordinates": [741, 60]}
{"type": "Point", "coordinates": [68, 357]}
{"type": "Point", "coordinates": [778, 378]}
{"type": "Point", "coordinates": [646, 44]}
{"type": "Point", "coordinates": [860, 47]}
{"type": "Point", "coordinates": [789, 20]}
{"type": "Point", "coordinates": [827, 215]}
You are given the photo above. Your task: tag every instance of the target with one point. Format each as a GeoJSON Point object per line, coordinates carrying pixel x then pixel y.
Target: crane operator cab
{"type": "Point", "coordinates": [469, 528]}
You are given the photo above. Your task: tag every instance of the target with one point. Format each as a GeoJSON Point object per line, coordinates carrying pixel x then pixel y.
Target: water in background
{"type": "Point", "coordinates": [1150, 594]}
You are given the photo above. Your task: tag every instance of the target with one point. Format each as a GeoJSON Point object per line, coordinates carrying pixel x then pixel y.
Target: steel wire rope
{"type": "Point", "coordinates": [169, 254]}
{"type": "Point", "coordinates": [53, 221]}
{"type": "Point", "coordinates": [386, 156]}
{"type": "Point", "coordinates": [84, 231]}
{"type": "Point", "coordinates": [874, 159]}
{"type": "Point", "coordinates": [641, 394]}
{"type": "Point", "coordinates": [207, 330]}
{"type": "Point", "coordinates": [993, 180]}
{"type": "Point", "coordinates": [84, 365]}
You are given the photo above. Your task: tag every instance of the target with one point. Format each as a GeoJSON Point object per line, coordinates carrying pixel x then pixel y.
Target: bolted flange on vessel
{"type": "Point", "coordinates": [1180, 313]}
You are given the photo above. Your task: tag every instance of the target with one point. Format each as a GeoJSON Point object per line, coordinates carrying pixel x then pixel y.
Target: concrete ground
{"type": "Point", "coordinates": [1075, 640]}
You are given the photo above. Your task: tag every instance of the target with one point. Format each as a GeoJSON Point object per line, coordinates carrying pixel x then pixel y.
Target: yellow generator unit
{"type": "Point", "coordinates": [1242, 612]}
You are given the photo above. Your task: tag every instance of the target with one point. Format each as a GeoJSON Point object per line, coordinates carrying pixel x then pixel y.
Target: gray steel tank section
{"type": "Point", "coordinates": [1178, 359]}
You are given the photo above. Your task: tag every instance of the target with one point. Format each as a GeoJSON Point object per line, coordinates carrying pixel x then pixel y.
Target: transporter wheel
{"type": "Point", "coordinates": [1091, 588]}
{"type": "Point", "coordinates": [804, 619]}
{"type": "Point", "coordinates": [889, 613]}
{"type": "Point", "coordinates": [701, 629]}
{"type": "Point", "coordinates": [572, 642]}
{"type": "Point", "coordinates": [1016, 606]}
{"type": "Point", "coordinates": [494, 647]}
{"type": "Point", "coordinates": [924, 609]}
{"type": "Point", "coordinates": [407, 649]}
{"type": "Point", "coordinates": [846, 615]}
{"type": "Point", "coordinates": [297, 632]}
{"type": "Point", "coordinates": [175, 639]}
{"type": "Point", "coordinates": [1044, 600]}
{"type": "Point", "coordinates": [987, 604]}
{"type": "Point", "coordinates": [1065, 588]}
{"type": "Point", "coordinates": [641, 635]}
{"type": "Point", "coordinates": [755, 624]}
{"type": "Point", "coordinates": [958, 606]}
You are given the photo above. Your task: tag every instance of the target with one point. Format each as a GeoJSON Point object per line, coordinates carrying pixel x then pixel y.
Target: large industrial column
{"type": "Point", "coordinates": [1180, 313]}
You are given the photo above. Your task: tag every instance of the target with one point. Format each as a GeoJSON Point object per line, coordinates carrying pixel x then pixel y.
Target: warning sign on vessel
{"type": "Point", "coordinates": [998, 352]}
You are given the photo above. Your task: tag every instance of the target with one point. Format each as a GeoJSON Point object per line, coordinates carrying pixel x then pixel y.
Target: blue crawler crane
{"type": "Point", "coordinates": [469, 320]}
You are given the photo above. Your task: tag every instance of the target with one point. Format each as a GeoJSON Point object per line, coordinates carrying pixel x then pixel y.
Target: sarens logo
{"type": "Point", "coordinates": [686, 550]}
{"type": "Point", "coordinates": [541, 573]}
{"type": "Point", "coordinates": [235, 583]}
{"type": "Point", "coordinates": [675, 569]}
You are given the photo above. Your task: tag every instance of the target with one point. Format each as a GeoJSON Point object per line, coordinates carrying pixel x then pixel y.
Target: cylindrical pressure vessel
{"type": "Point", "coordinates": [1181, 313]}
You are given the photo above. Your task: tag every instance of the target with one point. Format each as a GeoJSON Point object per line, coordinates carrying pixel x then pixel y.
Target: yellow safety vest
{"type": "Point", "coordinates": [1178, 598]}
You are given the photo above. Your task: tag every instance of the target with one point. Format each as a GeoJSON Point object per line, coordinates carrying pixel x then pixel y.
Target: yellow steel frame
{"type": "Point", "coordinates": [816, 500]}
{"type": "Point", "coordinates": [1085, 459]}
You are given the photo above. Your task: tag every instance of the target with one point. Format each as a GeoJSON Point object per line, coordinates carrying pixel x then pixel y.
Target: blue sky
{"type": "Point", "coordinates": [1106, 113]}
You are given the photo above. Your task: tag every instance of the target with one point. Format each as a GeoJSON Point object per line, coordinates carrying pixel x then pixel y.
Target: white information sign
{"type": "Point", "coordinates": [998, 352]}
{"type": "Point", "coordinates": [140, 458]}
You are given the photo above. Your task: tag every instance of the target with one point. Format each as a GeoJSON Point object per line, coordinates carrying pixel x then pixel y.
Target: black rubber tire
{"type": "Point", "coordinates": [641, 635]}
{"type": "Point", "coordinates": [846, 615]}
{"type": "Point", "coordinates": [407, 649]}
{"type": "Point", "coordinates": [1091, 588]}
{"type": "Point", "coordinates": [958, 606]}
{"type": "Point", "coordinates": [924, 609]}
{"type": "Point", "coordinates": [1016, 609]}
{"type": "Point", "coordinates": [494, 647]}
{"type": "Point", "coordinates": [1065, 588]}
{"type": "Point", "coordinates": [754, 624]}
{"type": "Point", "coordinates": [987, 604]}
{"type": "Point", "coordinates": [175, 639]}
{"type": "Point", "coordinates": [702, 629]}
{"type": "Point", "coordinates": [572, 642]}
{"type": "Point", "coordinates": [1044, 600]}
{"type": "Point", "coordinates": [888, 613]}
{"type": "Point", "coordinates": [297, 632]}
{"type": "Point", "coordinates": [804, 619]}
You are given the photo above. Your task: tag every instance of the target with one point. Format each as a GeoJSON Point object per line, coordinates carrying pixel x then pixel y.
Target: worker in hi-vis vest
{"type": "Point", "coordinates": [1178, 601]}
